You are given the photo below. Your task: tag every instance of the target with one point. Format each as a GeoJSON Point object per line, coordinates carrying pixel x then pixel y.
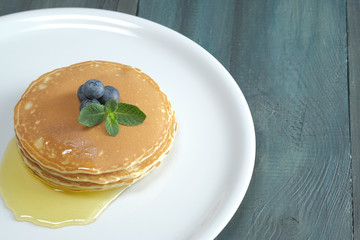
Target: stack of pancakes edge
{"type": "Point", "coordinates": [70, 156]}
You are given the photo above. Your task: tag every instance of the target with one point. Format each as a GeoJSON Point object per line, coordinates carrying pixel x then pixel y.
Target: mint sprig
{"type": "Point", "coordinates": [113, 113]}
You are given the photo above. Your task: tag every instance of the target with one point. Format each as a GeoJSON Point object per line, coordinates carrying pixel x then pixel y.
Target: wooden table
{"type": "Point", "coordinates": [297, 63]}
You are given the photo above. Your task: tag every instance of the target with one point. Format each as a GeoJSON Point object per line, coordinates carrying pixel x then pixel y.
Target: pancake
{"type": "Point", "coordinates": [66, 154]}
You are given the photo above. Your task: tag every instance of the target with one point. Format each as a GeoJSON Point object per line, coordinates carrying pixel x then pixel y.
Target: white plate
{"type": "Point", "coordinates": [202, 182]}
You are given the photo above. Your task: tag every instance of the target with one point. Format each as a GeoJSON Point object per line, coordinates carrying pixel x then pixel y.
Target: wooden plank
{"type": "Point", "coordinates": [126, 6]}
{"type": "Point", "coordinates": [353, 8]}
{"type": "Point", "coordinates": [289, 58]}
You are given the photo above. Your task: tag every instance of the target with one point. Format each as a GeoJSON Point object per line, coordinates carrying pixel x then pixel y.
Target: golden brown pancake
{"type": "Point", "coordinates": [69, 155]}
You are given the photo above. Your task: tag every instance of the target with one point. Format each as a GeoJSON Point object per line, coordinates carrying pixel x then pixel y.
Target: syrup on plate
{"type": "Point", "coordinates": [30, 199]}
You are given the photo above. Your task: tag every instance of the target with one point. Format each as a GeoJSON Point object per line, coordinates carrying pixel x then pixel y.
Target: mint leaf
{"type": "Point", "coordinates": [111, 106]}
{"type": "Point", "coordinates": [111, 125]}
{"type": "Point", "coordinates": [92, 115]}
{"type": "Point", "coordinates": [130, 115]}
{"type": "Point", "coordinates": [113, 113]}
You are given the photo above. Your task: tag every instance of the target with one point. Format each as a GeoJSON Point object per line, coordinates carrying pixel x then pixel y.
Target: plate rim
{"type": "Point", "coordinates": [112, 14]}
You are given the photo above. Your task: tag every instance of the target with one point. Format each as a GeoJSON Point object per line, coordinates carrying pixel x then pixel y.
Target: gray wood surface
{"type": "Point", "coordinates": [290, 61]}
{"type": "Point", "coordinates": [354, 97]}
{"type": "Point", "coordinates": [297, 65]}
{"type": "Point", "coordinates": [289, 58]}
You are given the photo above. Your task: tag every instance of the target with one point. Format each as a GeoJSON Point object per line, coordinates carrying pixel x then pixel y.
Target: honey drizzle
{"type": "Point", "coordinates": [34, 201]}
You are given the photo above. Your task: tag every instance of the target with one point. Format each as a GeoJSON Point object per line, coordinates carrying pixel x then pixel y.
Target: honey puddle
{"type": "Point", "coordinates": [32, 200]}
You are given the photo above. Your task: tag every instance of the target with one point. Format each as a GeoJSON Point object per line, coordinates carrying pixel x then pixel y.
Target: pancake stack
{"type": "Point", "coordinates": [71, 156]}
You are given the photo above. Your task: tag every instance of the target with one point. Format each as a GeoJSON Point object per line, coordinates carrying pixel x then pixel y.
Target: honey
{"type": "Point", "coordinates": [30, 199]}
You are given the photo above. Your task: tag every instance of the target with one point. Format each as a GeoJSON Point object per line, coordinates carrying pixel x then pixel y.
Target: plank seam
{"type": "Point", "coordinates": [137, 8]}
{"type": "Point", "coordinates": [349, 107]}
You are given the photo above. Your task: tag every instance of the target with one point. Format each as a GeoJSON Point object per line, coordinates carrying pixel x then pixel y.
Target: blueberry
{"type": "Point", "coordinates": [109, 93]}
{"type": "Point", "coordinates": [87, 102]}
{"type": "Point", "coordinates": [93, 88]}
{"type": "Point", "coordinates": [80, 93]}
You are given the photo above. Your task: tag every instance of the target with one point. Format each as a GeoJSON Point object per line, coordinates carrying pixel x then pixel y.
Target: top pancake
{"type": "Point", "coordinates": [46, 123]}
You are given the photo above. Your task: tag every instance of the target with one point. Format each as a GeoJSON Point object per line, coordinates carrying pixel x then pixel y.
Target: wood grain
{"type": "Point", "coordinates": [11, 6]}
{"type": "Point", "coordinates": [353, 17]}
{"type": "Point", "coordinates": [289, 58]}
{"type": "Point", "coordinates": [206, 22]}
